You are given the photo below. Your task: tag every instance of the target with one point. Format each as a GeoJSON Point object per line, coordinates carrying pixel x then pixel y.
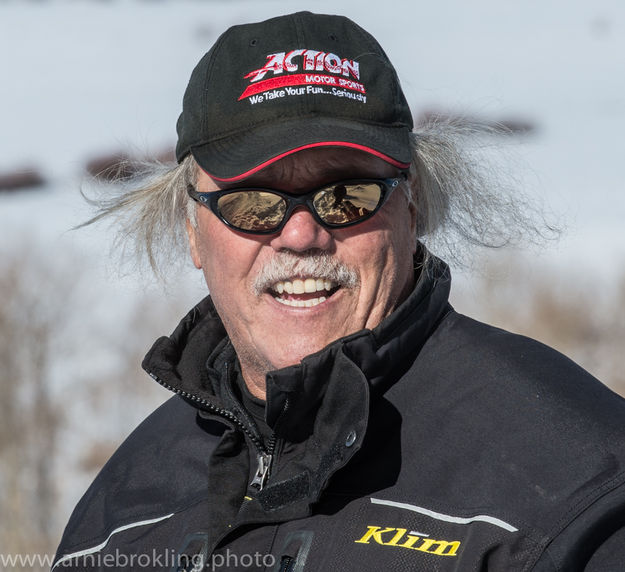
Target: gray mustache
{"type": "Point", "coordinates": [288, 265]}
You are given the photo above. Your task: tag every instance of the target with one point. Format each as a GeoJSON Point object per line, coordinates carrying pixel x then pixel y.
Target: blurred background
{"type": "Point", "coordinates": [83, 83]}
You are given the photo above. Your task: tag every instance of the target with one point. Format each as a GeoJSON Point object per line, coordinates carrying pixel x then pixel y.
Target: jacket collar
{"type": "Point", "coordinates": [318, 409]}
{"type": "Point", "coordinates": [190, 361]}
{"type": "Point", "coordinates": [382, 354]}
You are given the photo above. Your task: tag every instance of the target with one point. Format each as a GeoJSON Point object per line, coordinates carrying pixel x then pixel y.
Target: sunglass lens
{"type": "Point", "coordinates": [346, 203]}
{"type": "Point", "coordinates": [252, 210]}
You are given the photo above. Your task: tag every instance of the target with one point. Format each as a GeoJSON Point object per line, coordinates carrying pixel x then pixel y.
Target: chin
{"type": "Point", "coordinates": [296, 355]}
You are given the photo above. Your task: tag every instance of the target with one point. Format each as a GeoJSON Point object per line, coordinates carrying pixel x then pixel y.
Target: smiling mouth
{"type": "Point", "coordinates": [303, 292]}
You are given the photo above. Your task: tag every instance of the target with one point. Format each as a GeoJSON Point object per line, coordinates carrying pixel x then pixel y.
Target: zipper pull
{"type": "Point", "coordinates": [264, 462]}
{"type": "Point", "coordinates": [287, 564]}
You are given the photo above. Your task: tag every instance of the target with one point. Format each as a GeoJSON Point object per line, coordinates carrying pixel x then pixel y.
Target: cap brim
{"type": "Point", "coordinates": [242, 154]}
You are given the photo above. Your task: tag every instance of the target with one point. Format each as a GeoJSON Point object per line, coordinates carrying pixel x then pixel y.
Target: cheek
{"type": "Point", "coordinates": [203, 244]}
{"type": "Point", "coordinates": [390, 254]}
{"type": "Point", "coordinates": [227, 258]}
{"type": "Point", "coordinates": [404, 238]}
{"type": "Point", "coordinates": [389, 238]}
{"type": "Point", "coordinates": [403, 233]}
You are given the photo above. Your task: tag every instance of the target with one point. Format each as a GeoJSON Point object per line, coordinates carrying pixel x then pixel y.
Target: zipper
{"type": "Point", "coordinates": [265, 454]}
{"type": "Point", "coordinates": [214, 409]}
{"type": "Point", "coordinates": [264, 465]}
{"type": "Point", "coordinates": [265, 458]}
{"type": "Point", "coordinates": [287, 564]}
{"type": "Point", "coordinates": [262, 472]}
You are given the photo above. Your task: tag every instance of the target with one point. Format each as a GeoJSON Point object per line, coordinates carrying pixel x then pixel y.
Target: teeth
{"type": "Point", "coordinates": [301, 286]}
{"type": "Point", "coordinates": [302, 303]}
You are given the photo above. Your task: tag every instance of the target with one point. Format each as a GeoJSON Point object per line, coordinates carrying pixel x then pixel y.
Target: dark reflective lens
{"type": "Point", "coordinates": [252, 210]}
{"type": "Point", "coordinates": [346, 203]}
{"type": "Point", "coordinates": [265, 211]}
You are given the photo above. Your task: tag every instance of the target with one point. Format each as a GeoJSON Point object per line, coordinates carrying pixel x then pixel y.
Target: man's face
{"type": "Point", "coordinates": [371, 263]}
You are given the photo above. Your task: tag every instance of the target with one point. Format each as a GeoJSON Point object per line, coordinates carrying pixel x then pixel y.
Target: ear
{"type": "Point", "coordinates": [192, 234]}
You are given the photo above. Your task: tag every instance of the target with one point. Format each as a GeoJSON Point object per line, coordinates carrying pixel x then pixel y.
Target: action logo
{"type": "Point", "coordinates": [324, 74]}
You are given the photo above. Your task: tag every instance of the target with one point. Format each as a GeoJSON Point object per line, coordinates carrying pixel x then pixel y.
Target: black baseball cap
{"type": "Point", "coordinates": [269, 89]}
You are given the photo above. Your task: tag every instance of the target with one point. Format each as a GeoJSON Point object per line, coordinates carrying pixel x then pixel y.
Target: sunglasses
{"type": "Point", "coordinates": [266, 211]}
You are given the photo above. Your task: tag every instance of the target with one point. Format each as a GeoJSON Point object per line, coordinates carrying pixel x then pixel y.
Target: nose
{"type": "Point", "coordinates": [302, 232]}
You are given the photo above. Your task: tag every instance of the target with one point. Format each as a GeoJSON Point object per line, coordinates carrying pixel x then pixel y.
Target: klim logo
{"type": "Point", "coordinates": [321, 69]}
{"type": "Point", "coordinates": [401, 538]}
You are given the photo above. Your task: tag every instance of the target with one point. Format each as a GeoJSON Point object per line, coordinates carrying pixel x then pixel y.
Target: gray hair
{"type": "Point", "coordinates": [150, 210]}
{"type": "Point", "coordinates": [467, 191]}
{"type": "Point", "coordinates": [462, 194]}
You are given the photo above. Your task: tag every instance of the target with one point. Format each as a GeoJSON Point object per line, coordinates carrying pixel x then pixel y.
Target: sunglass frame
{"type": "Point", "coordinates": [211, 200]}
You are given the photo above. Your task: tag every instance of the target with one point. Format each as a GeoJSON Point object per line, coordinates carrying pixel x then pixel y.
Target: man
{"type": "Point", "coordinates": [333, 412]}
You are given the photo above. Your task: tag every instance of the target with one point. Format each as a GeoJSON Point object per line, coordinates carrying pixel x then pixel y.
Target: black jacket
{"type": "Point", "coordinates": [432, 442]}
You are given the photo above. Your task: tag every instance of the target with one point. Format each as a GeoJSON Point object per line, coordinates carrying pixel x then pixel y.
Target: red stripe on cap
{"type": "Point", "coordinates": [260, 167]}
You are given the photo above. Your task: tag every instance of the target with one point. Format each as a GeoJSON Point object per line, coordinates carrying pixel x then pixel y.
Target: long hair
{"type": "Point", "coordinates": [149, 210]}
{"type": "Point", "coordinates": [464, 196]}
{"type": "Point", "coordinates": [467, 191]}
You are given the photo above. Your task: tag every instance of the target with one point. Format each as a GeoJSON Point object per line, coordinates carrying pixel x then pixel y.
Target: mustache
{"type": "Point", "coordinates": [287, 265]}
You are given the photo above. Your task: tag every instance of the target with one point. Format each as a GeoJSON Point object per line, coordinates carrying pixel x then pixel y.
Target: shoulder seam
{"type": "Point", "coordinates": [102, 545]}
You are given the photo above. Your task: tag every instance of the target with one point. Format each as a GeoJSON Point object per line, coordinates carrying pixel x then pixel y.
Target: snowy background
{"type": "Point", "coordinates": [83, 79]}
{"type": "Point", "coordinates": [80, 79]}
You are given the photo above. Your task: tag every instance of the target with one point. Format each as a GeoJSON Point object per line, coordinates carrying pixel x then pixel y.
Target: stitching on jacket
{"type": "Point", "coordinates": [576, 511]}
{"type": "Point", "coordinates": [99, 547]}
